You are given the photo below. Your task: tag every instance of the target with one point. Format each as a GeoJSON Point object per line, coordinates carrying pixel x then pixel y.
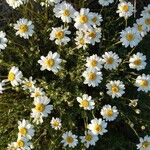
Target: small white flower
{"type": "Point", "coordinates": [42, 106]}
{"type": "Point", "coordinates": [2, 87]}
{"type": "Point", "coordinates": [22, 143]}
{"type": "Point", "coordinates": [28, 84]}
{"type": "Point", "coordinates": [24, 28]}
{"type": "Point", "coordinates": [3, 40]}
{"type": "Point", "coordinates": [96, 19]}
{"type": "Point", "coordinates": [137, 61]}
{"type": "Point", "coordinates": [12, 146]}
{"type": "Point", "coordinates": [86, 102]}
{"type": "Point", "coordinates": [105, 2]}
{"type": "Point", "coordinates": [109, 113]}
{"type": "Point", "coordinates": [140, 27]}
{"type": "Point", "coordinates": [89, 139]}
{"type": "Point", "coordinates": [130, 37]}
{"type": "Point", "coordinates": [144, 143]}
{"type": "Point", "coordinates": [65, 11]}
{"type": "Point", "coordinates": [111, 60]}
{"type": "Point", "coordinates": [146, 10]}
{"type": "Point", "coordinates": [133, 103]}
{"type": "Point", "coordinates": [69, 139]}
{"type": "Point", "coordinates": [14, 76]}
{"type": "Point", "coordinates": [94, 62]}
{"type": "Point", "coordinates": [16, 3]}
{"type": "Point", "coordinates": [98, 126]}
{"type": "Point", "coordinates": [51, 62]}
{"type": "Point", "coordinates": [83, 19]}
{"type": "Point", "coordinates": [25, 129]}
{"type": "Point", "coordinates": [115, 88]}
{"type": "Point", "coordinates": [143, 83]}
{"type": "Point", "coordinates": [92, 77]}
{"type": "Point", "coordinates": [93, 35]}
{"type": "Point", "coordinates": [146, 21]}
{"type": "Point", "coordinates": [56, 123]}
{"type": "Point", "coordinates": [50, 2]}
{"type": "Point", "coordinates": [125, 9]}
{"type": "Point", "coordinates": [37, 92]}
{"type": "Point", "coordinates": [60, 35]}
{"type": "Point", "coordinates": [81, 40]}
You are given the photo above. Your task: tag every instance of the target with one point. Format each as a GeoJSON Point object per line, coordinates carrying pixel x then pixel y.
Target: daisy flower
{"type": "Point", "coordinates": [14, 76]}
{"type": "Point", "coordinates": [115, 88]}
{"type": "Point", "coordinates": [23, 143]}
{"type": "Point", "coordinates": [12, 146]}
{"type": "Point", "coordinates": [143, 83]}
{"type": "Point", "coordinates": [105, 2]}
{"type": "Point", "coordinates": [81, 40]}
{"type": "Point", "coordinates": [51, 62]}
{"type": "Point", "coordinates": [42, 106]}
{"type": "Point", "coordinates": [69, 139]}
{"type": "Point", "coordinates": [144, 143]}
{"type": "Point", "coordinates": [28, 84]}
{"type": "Point", "coordinates": [83, 19]}
{"type": "Point", "coordinates": [37, 92]}
{"type": "Point", "coordinates": [24, 28]}
{"type": "Point", "coordinates": [140, 27]}
{"type": "Point", "coordinates": [25, 129]}
{"type": "Point", "coordinates": [96, 19]}
{"type": "Point", "coordinates": [3, 40]}
{"type": "Point", "coordinates": [1, 87]}
{"type": "Point", "coordinates": [111, 60]}
{"type": "Point", "coordinates": [98, 126]}
{"type": "Point", "coordinates": [92, 77]}
{"type": "Point", "coordinates": [125, 9]}
{"type": "Point", "coordinates": [146, 22]}
{"type": "Point", "coordinates": [86, 102]}
{"type": "Point", "coordinates": [93, 35]}
{"type": "Point", "coordinates": [16, 3]}
{"type": "Point", "coordinates": [60, 35]}
{"type": "Point", "coordinates": [137, 61]}
{"type": "Point", "coordinates": [146, 10]}
{"type": "Point", "coordinates": [130, 37]}
{"type": "Point", "coordinates": [65, 11]}
{"type": "Point", "coordinates": [94, 62]}
{"type": "Point", "coordinates": [56, 123]}
{"type": "Point", "coordinates": [89, 139]}
{"type": "Point", "coordinates": [109, 113]}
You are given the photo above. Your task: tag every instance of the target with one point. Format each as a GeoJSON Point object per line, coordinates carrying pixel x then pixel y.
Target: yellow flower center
{"type": "Point", "coordinates": [115, 89]}
{"type": "Point", "coordinates": [66, 13]}
{"type": "Point", "coordinates": [69, 139]}
{"type": "Point", "coordinates": [23, 131]}
{"type": "Point", "coordinates": [109, 60]}
{"type": "Point", "coordinates": [92, 35]}
{"type": "Point", "coordinates": [84, 103]}
{"type": "Point", "coordinates": [40, 107]}
{"type": "Point", "coordinates": [144, 83]}
{"type": "Point", "coordinates": [83, 19]}
{"type": "Point", "coordinates": [92, 76]}
{"type": "Point", "coordinates": [55, 123]}
{"type": "Point", "coordinates": [145, 144]}
{"type": "Point", "coordinates": [28, 84]}
{"type": "Point", "coordinates": [13, 148]}
{"type": "Point", "coordinates": [37, 94]}
{"type": "Point", "coordinates": [59, 35]}
{"type": "Point", "coordinates": [140, 28]}
{"type": "Point", "coordinates": [81, 41]}
{"type": "Point", "coordinates": [147, 21]}
{"type": "Point", "coordinates": [109, 112]}
{"type": "Point", "coordinates": [124, 8]}
{"type": "Point", "coordinates": [23, 28]}
{"type": "Point", "coordinates": [88, 137]}
{"type": "Point", "coordinates": [130, 37]}
{"type": "Point", "coordinates": [50, 62]}
{"type": "Point", "coordinates": [137, 62]}
{"type": "Point", "coordinates": [93, 63]}
{"type": "Point", "coordinates": [11, 76]}
{"type": "Point", "coordinates": [20, 143]}
{"type": "Point", "coordinates": [98, 128]}
{"type": "Point", "coordinates": [94, 19]}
